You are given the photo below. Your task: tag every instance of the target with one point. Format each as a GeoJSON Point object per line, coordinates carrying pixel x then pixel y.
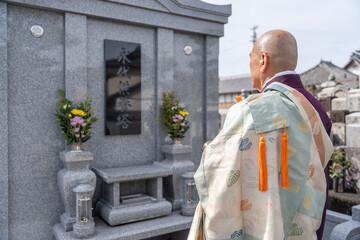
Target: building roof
{"type": "Point", "coordinates": [234, 84]}
{"type": "Point", "coordinates": [321, 73]}
{"type": "Point", "coordinates": [354, 58]}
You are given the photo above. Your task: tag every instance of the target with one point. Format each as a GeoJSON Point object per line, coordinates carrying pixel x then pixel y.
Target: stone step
{"type": "Point", "coordinates": [133, 231]}
{"type": "Point", "coordinates": [113, 175]}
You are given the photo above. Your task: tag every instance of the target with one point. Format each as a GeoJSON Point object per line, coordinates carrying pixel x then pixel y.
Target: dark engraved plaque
{"type": "Point", "coordinates": [122, 88]}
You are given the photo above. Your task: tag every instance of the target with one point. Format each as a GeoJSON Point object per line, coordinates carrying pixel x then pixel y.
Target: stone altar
{"type": "Point", "coordinates": [131, 194]}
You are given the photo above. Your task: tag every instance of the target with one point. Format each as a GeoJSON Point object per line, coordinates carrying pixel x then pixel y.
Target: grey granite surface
{"type": "Point", "coordinates": [118, 150]}
{"type": "Point", "coordinates": [75, 57]}
{"type": "Point", "coordinates": [112, 175]}
{"type": "Point", "coordinates": [332, 220]}
{"type": "Point", "coordinates": [190, 8]}
{"type": "Point", "coordinates": [211, 99]}
{"type": "Point", "coordinates": [189, 84]}
{"type": "Point", "coordinates": [120, 12]}
{"type": "Point", "coordinates": [35, 72]}
{"type": "Point", "coordinates": [133, 231]}
{"type": "Point", "coordinates": [75, 172]}
{"type": "Point", "coordinates": [133, 212]}
{"type": "Point", "coordinates": [164, 44]}
{"type": "Point", "coordinates": [4, 142]}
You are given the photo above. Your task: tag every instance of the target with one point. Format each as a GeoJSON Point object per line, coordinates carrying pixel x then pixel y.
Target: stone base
{"type": "Point", "coordinates": [176, 203]}
{"type": "Point", "coordinates": [84, 230]}
{"type": "Point", "coordinates": [131, 231]}
{"type": "Point", "coordinates": [131, 213]}
{"type": "Point", "coordinates": [67, 222]}
{"type": "Point", "coordinates": [188, 209]}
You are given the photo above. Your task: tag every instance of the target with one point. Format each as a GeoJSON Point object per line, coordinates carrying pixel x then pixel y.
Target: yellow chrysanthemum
{"type": "Point", "coordinates": [69, 115]}
{"type": "Point", "coordinates": [78, 112]}
{"type": "Point", "coordinates": [183, 113]}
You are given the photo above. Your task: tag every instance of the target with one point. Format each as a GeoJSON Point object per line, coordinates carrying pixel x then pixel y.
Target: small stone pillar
{"type": "Point", "coordinates": [177, 158]}
{"type": "Point", "coordinates": [75, 172]}
{"type": "Point", "coordinates": [84, 226]}
{"type": "Point", "coordinates": [190, 195]}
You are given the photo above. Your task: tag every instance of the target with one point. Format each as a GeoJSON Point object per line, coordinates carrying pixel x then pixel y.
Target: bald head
{"type": "Point", "coordinates": [275, 51]}
{"type": "Point", "coordinates": [281, 47]}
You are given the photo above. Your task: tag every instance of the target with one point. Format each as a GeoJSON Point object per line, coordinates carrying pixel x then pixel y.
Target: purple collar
{"type": "Point", "coordinates": [291, 80]}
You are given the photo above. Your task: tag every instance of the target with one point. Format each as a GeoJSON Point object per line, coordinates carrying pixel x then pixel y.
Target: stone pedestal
{"type": "Point", "coordinates": [132, 194]}
{"type": "Point", "coordinates": [339, 104]}
{"type": "Point", "coordinates": [75, 172]}
{"type": "Point", "coordinates": [338, 131]}
{"type": "Point", "coordinates": [353, 135]}
{"type": "Point", "coordinates": [177, 159]}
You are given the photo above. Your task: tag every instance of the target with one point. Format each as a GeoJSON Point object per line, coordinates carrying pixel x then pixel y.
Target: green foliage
{"type": "Point", "coordinates": [313, 89]}
{"type": "Point", "coordinates": [338, 164]}
{"type": "Point", "coordinates": [66, 115]}
{"type": "Point", "coordinates": [173, 116]}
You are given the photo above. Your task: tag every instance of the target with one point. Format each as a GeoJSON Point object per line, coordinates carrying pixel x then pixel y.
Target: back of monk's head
{"type": "Point", "coordinates": [281, 48]}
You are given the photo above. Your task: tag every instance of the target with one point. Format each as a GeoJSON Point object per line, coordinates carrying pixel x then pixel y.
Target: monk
{"type": "Point", "coordinates": [263, 176]}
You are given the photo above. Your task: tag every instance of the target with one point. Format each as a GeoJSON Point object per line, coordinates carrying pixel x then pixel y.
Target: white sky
{"type": "Point", "coordinates": [324, 29]}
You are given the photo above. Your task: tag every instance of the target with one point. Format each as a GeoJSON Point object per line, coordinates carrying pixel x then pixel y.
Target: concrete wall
{"type": "Point", "coordinates": [70, 56]}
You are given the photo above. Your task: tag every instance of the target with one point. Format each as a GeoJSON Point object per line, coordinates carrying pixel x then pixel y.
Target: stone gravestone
{"type": "Point", "coordinates": [339, 104]}
{"type": "Point", "coordinates": [338, 131]}
{"type": "Point", "coordinates": [326, 102]}
{"type": "Point", "coordinates": [51, 45]}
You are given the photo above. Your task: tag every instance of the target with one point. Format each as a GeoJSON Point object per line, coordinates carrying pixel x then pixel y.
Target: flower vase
{"type": "Point", "coordinates": [177, 141]}
{"type": "Point", "coordinates": [76, 146]}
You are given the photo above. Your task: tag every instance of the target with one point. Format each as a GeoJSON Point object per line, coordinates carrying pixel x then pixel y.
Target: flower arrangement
{"type": "Point", "coordinates": [75, 120]}
{"type": "Point", "coordinates": [338, 165]}
{"type": "Point", "coordinates": [173, 116]}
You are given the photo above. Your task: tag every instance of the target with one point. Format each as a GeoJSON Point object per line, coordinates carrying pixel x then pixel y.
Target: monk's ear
{"type": "Point", "coordinates": [264, 62]}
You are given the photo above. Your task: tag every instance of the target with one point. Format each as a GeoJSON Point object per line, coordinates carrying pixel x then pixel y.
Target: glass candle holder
{"type": "Point", "coordinates": [84, 226]}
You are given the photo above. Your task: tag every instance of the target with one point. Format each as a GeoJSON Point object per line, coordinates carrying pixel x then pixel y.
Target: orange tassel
{"type": "Point", "coordinates": [284, 162]}
{"type": "Point", "coordinates": [238, 98]}
{"type": "Point", "coordinates": [262, 164]}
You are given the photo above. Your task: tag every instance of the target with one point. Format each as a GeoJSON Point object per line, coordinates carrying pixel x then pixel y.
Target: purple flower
{"type": "Point", "coordinates": [182, 124]}
{"type": "Point", "coordinates": [83, 124]}
{"type": "Point", "coordinates": [179, 116]}
{"type": "Point", "coordinates": [82, 136]}
{"type": "Point", "coordinates": [82, 132]}
{"type": "Point", "coordinates": [77, 135]}
{"type": "Point", "coordinates": [181, 130]}
{"type": "Point", "coordinates": [76, 120]}
{"type": "Point", "coordinates": [76, 130]}
{"type": "Point", "coordinates": [175, 119]}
